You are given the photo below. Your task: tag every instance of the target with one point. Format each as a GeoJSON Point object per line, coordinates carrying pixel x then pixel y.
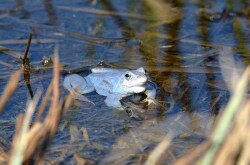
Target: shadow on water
{"type": "Point", "coordinates": [49, 8]}
{"type": "Point", "coordinates": [19, 7]}
{"type": "Point", "coordinates": [181, 44]}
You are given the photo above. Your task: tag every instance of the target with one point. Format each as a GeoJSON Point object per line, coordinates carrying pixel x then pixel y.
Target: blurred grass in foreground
{"type": "Point", "coordinates": [31, 139]}
{"type": "Point", "coordinates": [229, 143]}
{"type": "Point", "coordinates": [230, 140]}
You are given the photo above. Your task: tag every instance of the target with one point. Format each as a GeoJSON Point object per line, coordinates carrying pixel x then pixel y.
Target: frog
{"type": "Point", "coordinates": [114, 84]}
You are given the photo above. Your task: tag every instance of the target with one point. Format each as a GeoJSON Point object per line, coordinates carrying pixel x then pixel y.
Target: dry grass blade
{"type": "Point", "coordinates": [244, 157]}
{"type": "Point", "coordinates": [238, 138]}
{"type": "Point", "coordinates": [30, 143]}
{"type": "Point", "coordinates": [230, 142]}
{"type": "Point", "coordinates": [165, 12]}
{"type": "Point", "coordinates": [21, 140]}
{"type": "Point", "coordinates": [18, 125]}
{"type": "Point", "coordinates": [226, 119]}
{"type": "Point", "coordinates": [79, 160]}
{"type": "Point", "coordinates": [9, 89]}
{"type": "Point", "coordinates": [155, 157]}
{"type": "Point", "coordinates": [53, 116]}
{"type": "Point", "coordinates": [85, 135]}
{"type": "Point", "coordinates": [43, 104]}
{"type": "Point", "coordinates": [49, 126]}
{"type": "Point", "coordinates": [230, 69]}
{"type": "Point", "coordinates": [193, 155]}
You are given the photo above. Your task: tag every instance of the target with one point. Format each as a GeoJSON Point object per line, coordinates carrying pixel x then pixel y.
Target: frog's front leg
{"type": "Point", "coordinates": [114, 101]}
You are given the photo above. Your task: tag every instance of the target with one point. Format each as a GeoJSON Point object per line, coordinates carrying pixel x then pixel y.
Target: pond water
{"type": "Point", "coordinates": [189, 49]}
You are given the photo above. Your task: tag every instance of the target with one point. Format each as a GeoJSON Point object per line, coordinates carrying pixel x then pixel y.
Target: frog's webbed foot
{"type": "Point", "coordinates": [151, 94]}
{"type": "Point", "coordinates": [114, 102]}
{"type": "Point", "coordinates": [78, 96]}
{"type": "Point", "coordinates": [150, 101]}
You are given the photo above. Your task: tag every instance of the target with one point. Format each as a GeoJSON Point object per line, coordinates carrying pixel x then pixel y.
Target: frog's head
{"type": "Point", "coordinates": [133, 78]}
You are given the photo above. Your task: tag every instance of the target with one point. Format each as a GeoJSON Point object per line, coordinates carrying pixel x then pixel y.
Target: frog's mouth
{"type": "Point", "coordinates": [136, 84]}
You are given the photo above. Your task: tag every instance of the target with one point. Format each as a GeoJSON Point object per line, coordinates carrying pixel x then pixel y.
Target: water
{"type": "Point", "coordinates": [189, 48]}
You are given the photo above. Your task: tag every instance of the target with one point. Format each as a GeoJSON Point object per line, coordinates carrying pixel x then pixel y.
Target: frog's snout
{"type": "Point", "coordinates": [143, 78]}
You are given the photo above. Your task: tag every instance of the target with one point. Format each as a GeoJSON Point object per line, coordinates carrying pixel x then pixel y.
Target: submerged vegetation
{"type": "Point", "coordinates": [196, 53]}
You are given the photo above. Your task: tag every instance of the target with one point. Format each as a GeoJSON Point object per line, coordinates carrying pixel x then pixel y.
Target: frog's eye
{"type": "Point", "coordinates": [128, 76]}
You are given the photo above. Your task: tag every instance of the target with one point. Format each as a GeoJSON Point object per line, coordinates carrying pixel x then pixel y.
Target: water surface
{"type": "Point", "coordinates": [189, 48]}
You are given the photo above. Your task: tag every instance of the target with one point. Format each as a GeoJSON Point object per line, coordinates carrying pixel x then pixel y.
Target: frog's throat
{"type": "Point", "coordinates": [134, 85]}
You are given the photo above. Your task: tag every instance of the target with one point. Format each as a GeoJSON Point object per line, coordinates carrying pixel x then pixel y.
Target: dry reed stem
{"type": "Point", "coordinates": [236, 143]}
{"type": "Point", "coordinates": [85, 135]}
{"type": "Point", "coordinates": [9, 90]}
{"type": "Point", "coordinates": [44, 103]}
{"type": "Point", "coordinates": [236, 138]}
{"type": "Point", "coordinates": [79, 160]}
{"type": "Point", "coordinates": [21, 141]}
{"type": "Point", "coordinates": [54, 113]}
{"type": "Point", "coordinates": [214, 103]}
{"type": "Point", "coordinates": [191, 156]}
{"type": "Point", "coordinates": [244, 158]}
{"type": "Point", "coordinates": [3, 158]}
{"type": "Point", "coordinates": [34, 141]}
{"type": "Point", "coordinates": [53, 117]}
{"type": "Point", "coordinates": [30, 143]}
{"type": "Point", "coordinates": [19, 123]}
{"type": "Point", "coordinates": [166, 13]}
{"type": "Point", "coordinates": [226, 119]}
{"type": "Point", "coordinates": [67, 102]}
{"type": "Point", "coordinates": [156, 155]}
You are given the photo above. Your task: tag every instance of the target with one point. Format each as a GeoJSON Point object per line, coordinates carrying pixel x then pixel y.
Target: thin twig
{"type": "Point", "coordinates": [25, 57]}
{"type": "Point", "coordinates": [9, 89]}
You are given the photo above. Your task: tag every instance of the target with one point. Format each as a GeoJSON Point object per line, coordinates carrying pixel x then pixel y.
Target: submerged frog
{"type": "Point", "coordinates": [112, 83]}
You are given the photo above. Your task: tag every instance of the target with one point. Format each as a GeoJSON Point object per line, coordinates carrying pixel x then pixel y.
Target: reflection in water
{"type": "Point", "coordinates": [209, 78]}
{"type": "Point", "coordinates": [26, 77]}
{"type": "Point", "coordinates": [50, 10]}
{"type": "Point", "coordinates": [185, 51]}
{"type": "Point", "coordinates": [19, 8]}
{"type": "Point", "coordinates": [242, 39]}
{"type": "Point", "coordinates": [122, 23]}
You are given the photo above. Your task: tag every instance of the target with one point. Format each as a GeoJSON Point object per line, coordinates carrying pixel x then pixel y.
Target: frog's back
{"type": "Point", "coordinates": [105, 82]}
{"type": "Point", "coordinates": [107, 70]}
